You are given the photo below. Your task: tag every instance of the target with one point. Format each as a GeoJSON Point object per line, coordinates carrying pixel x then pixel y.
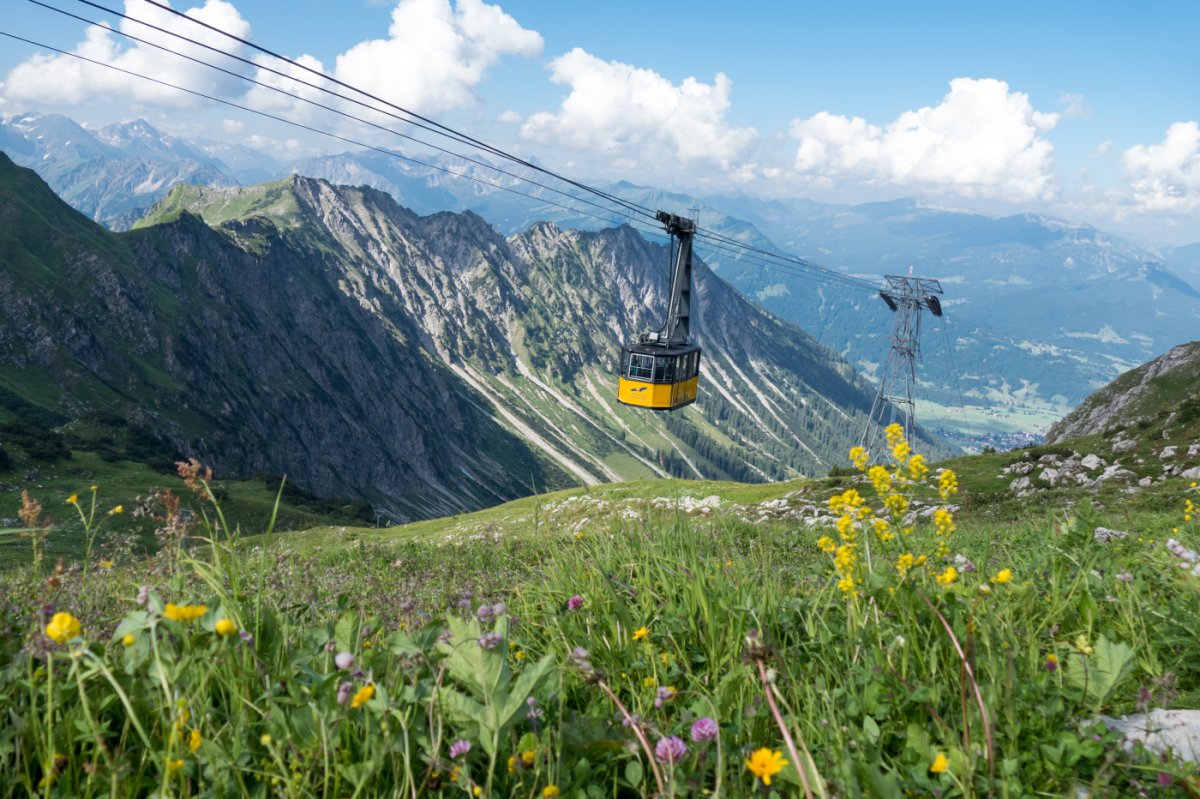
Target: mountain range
{"type": "Point", "coordinates": [427, 364]}
{"type": "Point", "coordinates": [1039, 312]}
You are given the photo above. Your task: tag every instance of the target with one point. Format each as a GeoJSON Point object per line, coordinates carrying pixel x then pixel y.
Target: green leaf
{"type": "Point", "coordinates": [634, 773]}
{"type": "Point", "coordinates": [521, 690]}
{"type": "Point", "coordinates": [1100, 674]}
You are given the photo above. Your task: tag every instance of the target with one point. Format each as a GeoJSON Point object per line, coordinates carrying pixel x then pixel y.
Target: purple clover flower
{"type": "Point", "coordinates": [663, 695]}
{"type": "Point", "coordinates": [670, 750]}
{"type": "Point", "coordinates": [344, 661]}
{"type": "Point", "coordinates": [489, 641]}
{"type": "Point", "coordinates": [460, 748]}
{"type": "Point", "coordinates": [704, 729]}
{"type": "Point", "coordinates": [344, 691]}
{"type": "Point", "coordinates": [575, 603]}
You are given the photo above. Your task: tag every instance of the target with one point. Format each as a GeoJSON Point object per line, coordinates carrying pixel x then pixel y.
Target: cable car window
{"type": "Point", "coordinates": [661, 366]}
{"type": "Point", "coordinates": [641, 366]}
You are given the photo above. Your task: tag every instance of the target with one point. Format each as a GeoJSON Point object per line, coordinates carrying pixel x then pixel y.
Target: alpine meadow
{"type": "Point", "coordinates": [447, 398]}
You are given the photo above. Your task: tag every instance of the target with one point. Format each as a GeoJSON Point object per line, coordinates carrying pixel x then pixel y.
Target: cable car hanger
{"type": "Point", "coordinates": [660, 370]}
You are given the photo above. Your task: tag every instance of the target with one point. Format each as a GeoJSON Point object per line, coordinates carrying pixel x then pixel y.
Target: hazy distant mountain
{"type": "Point", "coordinates": [427, 364]}
{"type": "Point", "coordinates": [114, 174]}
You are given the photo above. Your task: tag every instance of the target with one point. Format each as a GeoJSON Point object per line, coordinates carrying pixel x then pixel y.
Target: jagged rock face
{"type": "Point", "coordinates": [1158, 386]}
{"type": "Point", "coordinates": [427, 364]}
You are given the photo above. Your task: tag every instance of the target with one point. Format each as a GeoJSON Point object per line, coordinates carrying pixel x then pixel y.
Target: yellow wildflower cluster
{"type": "Point", "coordinates": [893, 485]}
{"type": "Point", "coordinates": [907, 562]}
{"type": "Point", "coordinates": [947, 484]}
{"type": "Point", "coordinates": [948, 576]}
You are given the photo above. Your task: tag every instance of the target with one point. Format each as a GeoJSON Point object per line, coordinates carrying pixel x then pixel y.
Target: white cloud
{"type": "Point", "coordinates": [232, 125]}
{"type": "Point", "coordinates": [61, 80]}
{"type": "Point", "coordinates": [1165, 178]}
{"type": "Point", "coordinates": [510, 117]}
{"type": "Point", "coordinates": [981, 141]}
{"type": "Point", "coordinates": [436, 55]}
{"type": "Point", "coordinates": [1104, 148]}
{"type": "Point", "coordinates": [640, 118]}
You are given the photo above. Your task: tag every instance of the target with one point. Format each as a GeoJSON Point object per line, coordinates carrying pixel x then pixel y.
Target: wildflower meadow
{"type": "Point", "coordinates": [889, 653]}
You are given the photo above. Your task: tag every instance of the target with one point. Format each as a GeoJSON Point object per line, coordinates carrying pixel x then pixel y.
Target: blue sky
{"type": "Point", "coordinates": [1090, 111]}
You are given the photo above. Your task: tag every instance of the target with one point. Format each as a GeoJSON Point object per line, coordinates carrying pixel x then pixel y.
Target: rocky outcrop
{"type": "Point", "coordinates": [1140, 395]}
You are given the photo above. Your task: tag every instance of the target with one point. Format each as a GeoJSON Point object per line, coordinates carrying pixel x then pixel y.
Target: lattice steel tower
{"type": "Point", "coordinates": [907, 296]}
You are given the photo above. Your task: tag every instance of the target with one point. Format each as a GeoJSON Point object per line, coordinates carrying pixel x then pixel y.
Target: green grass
{"type": "Point", "coordinates": [627, 618]}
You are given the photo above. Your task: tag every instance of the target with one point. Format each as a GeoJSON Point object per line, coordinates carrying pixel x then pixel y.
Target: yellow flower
{"type": "Point", "coordinates": [173, 765]}
{"type": "Point", "coordinates": [1003, 576]}
{"type": "Point", "coordinates": [825, 543]}
{"type": "Point", "coordinates": [194, 741]}
{"type": "Point", "coordinates": [640, 633]}
{"type": "Point", "coordinates": [94, 489]}
{"type": "Point", "coordinates": [948, 576]}
{"type": "Point", "coordinates": [128, 639]}
{"type": "Point", "coordinates": [117, 511]}
{"type": "Point", "coordinates": [550, 791]}
{"type": "Point", "coordinates": [1081, 643]}
{"type": "Point", "coordinates": [226, 627]}
{"type": "Point", "coordinates": [947, 484]}
{"type": "Point", "coordinates": [528, 756]}
{"type": "Point", "coordinates": [477, 790]}
{"type": "Point", "coordinates": [363, 695]}
{"type": "Point", "coordinates": [880, 478]}
{"type": "Point", "coordinates": [664, 658]}
{"type": "Point", "coordinates": [917, 468]}
{"type": "Point", "coordinates": [859, 457]}
{"type": "Point", "coordinates": [765, 764]}
{"type": "Point", "coordinates": [512, 764]}
{"type": "Point", "coordinates": [63, 627]}
{"type": "Point", "coordinates": [106, 564]}
{"type": "Point", "coordinates": [265, 739]}
{"type": "Point", "coordinates": [940, 763]}
{"type": "Point", "coordinates": [519, 655]}
{"type": "Point", "coordinates": [648, 682]}
{"type": "Point", "coordinates": [943, 522]}
{"type": "Point", "coordinates": [73, 499]}
{"type": "Point", "coordinates": [184, 612]}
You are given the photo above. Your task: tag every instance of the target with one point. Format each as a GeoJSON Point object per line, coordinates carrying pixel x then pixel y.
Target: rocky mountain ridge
{"type": "Point", "coordinates": [1162, 391]}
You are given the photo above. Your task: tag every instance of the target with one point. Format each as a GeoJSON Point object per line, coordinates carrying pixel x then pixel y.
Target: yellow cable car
{"type": "Point", "coordinates": [661, 369]}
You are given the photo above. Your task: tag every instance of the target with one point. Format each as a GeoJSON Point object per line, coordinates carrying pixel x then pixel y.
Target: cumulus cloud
{"type": "Point", "coordinates": [639, 118]}
{"type": "Point", "coordinates": [436, 55]}
{"type": "Point", "coordinates": [60, 80]}
{"type": "Point", "coordinates": [982, 140]}
{"type": "Point", "coordinates": [1165, 178]}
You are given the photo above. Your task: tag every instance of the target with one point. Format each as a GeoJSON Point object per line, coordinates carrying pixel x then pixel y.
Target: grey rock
{"type": "Point", "coordinates": [1161, 731]}
{"type": "Point", "coordinates": [1105, 535]}
{"type": "Point", "coordinates": [1167, 453]}
{"type": "Point", "coordinates": [1092, 462]}
{"type": "Point", "coordinates": [1146, 482]}
{"type": "Point", "coordinates": [1191, 474]}
{"type": "Point", "coordinates": [1121, 446]}
{"type": "Point", "coordinates": [1020, 484]}
{"type": "Point", "coordinates": [1116, 473]}
{"type": "Point", "coordinates": [1193, 450]}
{"type": "Point", "coordinates": [1049, 476]}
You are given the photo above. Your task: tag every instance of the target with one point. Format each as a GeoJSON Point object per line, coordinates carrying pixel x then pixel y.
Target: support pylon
{"type": "Point", "coordinates": [895, 402]}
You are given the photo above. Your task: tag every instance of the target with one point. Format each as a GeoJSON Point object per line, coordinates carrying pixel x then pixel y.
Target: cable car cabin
{"type": "Point", "coordinates": [658, 377]}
